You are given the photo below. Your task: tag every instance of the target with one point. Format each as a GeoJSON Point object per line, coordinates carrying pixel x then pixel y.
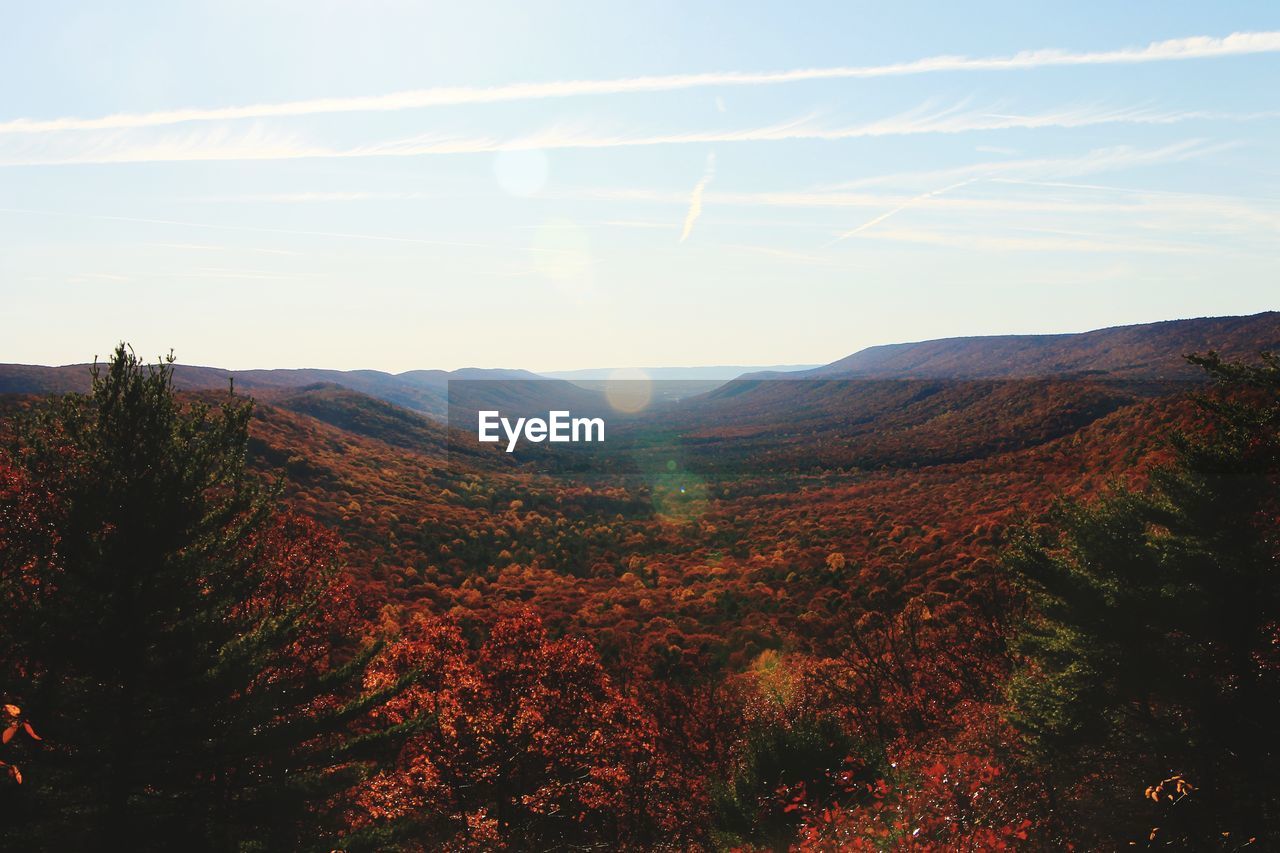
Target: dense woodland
{"type": "Point", "coordinates": [1027, 614]}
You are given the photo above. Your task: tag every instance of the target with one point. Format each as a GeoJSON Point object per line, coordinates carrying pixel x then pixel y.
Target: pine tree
{"type": "Point", "coordinates": [1152, 650]}
{"type": "Point", "coordinates": [183, 638]}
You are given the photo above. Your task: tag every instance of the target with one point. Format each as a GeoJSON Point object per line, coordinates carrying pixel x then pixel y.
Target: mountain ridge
{"type": "Point", "coordinates": [1146, 351]}
{"type": "Point", "coordinates": [421, 391]}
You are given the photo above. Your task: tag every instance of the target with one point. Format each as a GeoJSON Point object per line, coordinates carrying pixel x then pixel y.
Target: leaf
{"type": "Point", "coordinates": [9, 733]}
{"type": "Point", "coordinates": [15, 773]}
{"type": "Point", "coordinates": [12, 710]}
{"type": "Point", "coordinates": [31, 733]}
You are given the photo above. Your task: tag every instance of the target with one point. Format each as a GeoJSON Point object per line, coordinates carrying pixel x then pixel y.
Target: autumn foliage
{"type": "Point", "coordinates": [1027, 614]}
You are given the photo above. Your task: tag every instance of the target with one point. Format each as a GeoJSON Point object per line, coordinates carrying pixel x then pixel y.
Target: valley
{"type": "Point", "coordinates": [750, 561]}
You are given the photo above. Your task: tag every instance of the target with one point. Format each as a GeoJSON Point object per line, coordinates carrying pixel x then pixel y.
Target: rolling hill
{"type": "Point", "coordinates": [421, 391]}
{"type": "Point", "coordinates": [1146, 351]}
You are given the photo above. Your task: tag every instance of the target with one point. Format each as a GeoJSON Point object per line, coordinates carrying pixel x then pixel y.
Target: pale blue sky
{"type": "Point", "coordinates": [403, 185]}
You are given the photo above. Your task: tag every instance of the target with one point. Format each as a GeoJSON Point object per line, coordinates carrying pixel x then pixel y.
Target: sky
{"type": "Point", "coordinates": [560, 185]}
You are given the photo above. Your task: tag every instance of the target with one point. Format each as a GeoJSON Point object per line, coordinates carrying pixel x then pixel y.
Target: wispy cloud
{"type": "Point", "coordinates": [292, 232]}
{"type": "Point", "coordinates": [1057, 201]}
{"type": "Point", "coordinates": [261, 144]}
{"type": "Point", "coordinates": [1194, 47]}
{"type": "Point", "coordinates": [203, 247]}
{"type": "Point", "coordinates": [911, 202]}
{"type": "Point", "coordinates": [1139, 207]}
{"type": "Point", "coordinates": [1095, 161]}
{"type": "Point", "coordinates": [695, 199]}
{"type": "Point", "coordinates": [1098, 160]}
{"type": "Point", "coordinates": [1218, 208]}
{"type": "Point", "coordinates": [1128, 206]}
{"type": "Point", "coordinates": [244, 274]}
{"type": "Point", "coordinates": [313, 197]}
{"type": "Point", "coordinates": [969, 240]}
{"type": "Point", "coordinates": [797, 257]}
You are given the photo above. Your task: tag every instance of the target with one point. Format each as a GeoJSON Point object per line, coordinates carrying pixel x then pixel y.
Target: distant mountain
{"type": "Point", "coordinates": [1147, 351]}
{"type": "Point", "coordinates": [720, 372]}
{"type": "Point", "coordinates": [440, 379]}
{"type": "Point", "coordinates": [422, 391]}
{"type": "Point", "coordinates": [36, 379]}
{"type": "Point", "coordinates": [951, 400]}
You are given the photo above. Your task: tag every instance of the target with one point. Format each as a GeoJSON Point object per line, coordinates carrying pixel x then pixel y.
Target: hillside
{"type": "Point", "coordinates": [1148, 351]}
{"type": "Point", "coordinates": [874, 423]}
{"type": "Point", "coordinates": [361, 415]}
{"type": "Point", "coordinates": [421, 391]}
{"type": "Point", "coordinates": [722, 372]}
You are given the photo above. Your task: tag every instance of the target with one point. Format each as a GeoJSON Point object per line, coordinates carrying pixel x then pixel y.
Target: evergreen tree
{"type": "Point", "coordinates": [1151, 657]}
{"type": "Point", "coordinates": [181, 636]}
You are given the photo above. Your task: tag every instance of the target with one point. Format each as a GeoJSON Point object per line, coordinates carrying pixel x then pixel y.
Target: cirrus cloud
{"type": "Point", "coordinates": [1193, 47]}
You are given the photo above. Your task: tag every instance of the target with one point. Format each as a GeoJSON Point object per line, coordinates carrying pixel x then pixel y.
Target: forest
{"type": "Point", "coordinates": [917, 613]}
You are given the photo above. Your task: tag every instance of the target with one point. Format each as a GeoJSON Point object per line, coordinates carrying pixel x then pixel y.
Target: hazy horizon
{"type": "Point", "coordinates": [647, 371]}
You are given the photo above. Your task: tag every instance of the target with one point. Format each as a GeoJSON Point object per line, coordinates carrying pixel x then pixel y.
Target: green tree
{"type": "Point", "coordinates": [183, 637]}
{"type": "Point", "coordinates": [1151, 650]}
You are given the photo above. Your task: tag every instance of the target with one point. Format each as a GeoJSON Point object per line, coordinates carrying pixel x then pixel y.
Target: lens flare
{"type": "Point", "coordinates": [679, 495]}
{"type": "Point", "coordinates": [629, 390]}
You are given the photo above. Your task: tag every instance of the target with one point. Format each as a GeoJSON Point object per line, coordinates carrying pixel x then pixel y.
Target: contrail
{"type": "Point", "coordinates": [695, 200]}
{"type": "Point", "coordinates": [1194, 47]}
{"type": "Point", "coordinates": [285, 231]}
{"type": "Point", "coordinates": [908, 203]}
{"type": "Point", "coordinates": [221, 147]}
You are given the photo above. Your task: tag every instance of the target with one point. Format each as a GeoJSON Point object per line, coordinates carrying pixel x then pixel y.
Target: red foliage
{"type": "Point", "coordinates": [295, 554]}
{"type": "Point", "coordinates": [878, 583]}
{"type": "Point", "coordinates": [590, 657]}
{"type": "Point", "coordinates": [28, 529]}
{"type": "Point", "coordinates": [951, 794]}
{"type": "Point", "coordinates": [526, 740]}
